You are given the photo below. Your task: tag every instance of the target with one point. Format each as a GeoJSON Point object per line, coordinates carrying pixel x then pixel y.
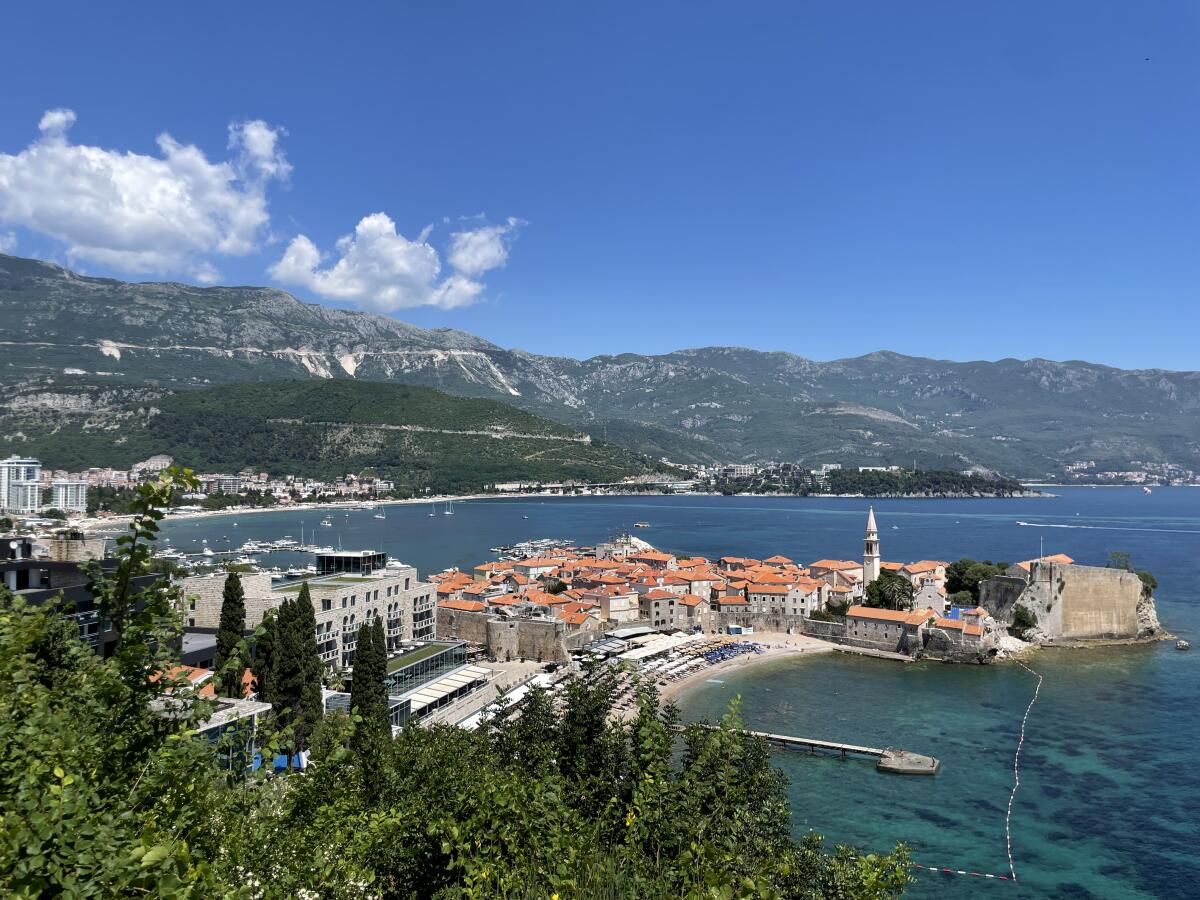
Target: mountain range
{"type": "Point", "coordinates": [78, 346]}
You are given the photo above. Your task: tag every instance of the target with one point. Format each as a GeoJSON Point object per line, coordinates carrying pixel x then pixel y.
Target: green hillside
{"type": "Point", "coordinates": [416, 436]}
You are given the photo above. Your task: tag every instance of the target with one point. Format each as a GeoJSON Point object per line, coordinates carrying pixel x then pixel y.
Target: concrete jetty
{"type": "Point", "coordinates": [887, 759]}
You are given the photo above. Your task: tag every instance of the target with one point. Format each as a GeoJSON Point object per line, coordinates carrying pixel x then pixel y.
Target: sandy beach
{"type": "Point", "coordinates": [92, 523]}
{"type": "Point", "coordinates": [778, 645]}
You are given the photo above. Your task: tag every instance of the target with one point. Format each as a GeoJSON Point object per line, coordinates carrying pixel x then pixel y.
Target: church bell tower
{"type": "Point", "coordinates": [871, 549]}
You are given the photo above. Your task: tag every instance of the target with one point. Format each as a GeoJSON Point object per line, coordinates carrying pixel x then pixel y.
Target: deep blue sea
{"type": "Point", "coordinates": [1109, 803]}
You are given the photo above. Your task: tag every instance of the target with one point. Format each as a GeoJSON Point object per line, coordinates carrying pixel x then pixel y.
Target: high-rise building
{"type": "Point", "coordinates": [69, 495]}
{"type": "Point", "coordinates": [871, 549]}
{"type": "Point", "coordinates": [20, 486]}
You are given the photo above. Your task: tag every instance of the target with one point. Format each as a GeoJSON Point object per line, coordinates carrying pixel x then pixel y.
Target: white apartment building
{"type": "Point", "coordinates": [358, 589]}
{"type": "Point", "coordinates": [20, 486]}
{"type": "Point", "coordinates": [69, 495]}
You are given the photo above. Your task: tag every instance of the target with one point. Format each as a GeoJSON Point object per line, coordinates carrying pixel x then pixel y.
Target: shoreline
{"type": "Point", "coordinates": [94, 523]}
{"type": "Point", "coordinates": [779, 646]}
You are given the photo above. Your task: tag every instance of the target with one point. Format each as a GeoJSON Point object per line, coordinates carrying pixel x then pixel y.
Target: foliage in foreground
{"type": "Point", "coordinates": [103, 795]}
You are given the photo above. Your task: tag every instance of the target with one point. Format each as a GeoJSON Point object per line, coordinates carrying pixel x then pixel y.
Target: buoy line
{"type": "Point", "coordinates": [1017, 770]}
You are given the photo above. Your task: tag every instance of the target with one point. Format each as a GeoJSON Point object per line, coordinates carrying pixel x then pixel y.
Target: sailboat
{"type": "Point", "coordinates": [379, 515]}
{"type": "Point", "coordinates": [449, 511]}
{"type": "Point", "coordinates": [432, 510]}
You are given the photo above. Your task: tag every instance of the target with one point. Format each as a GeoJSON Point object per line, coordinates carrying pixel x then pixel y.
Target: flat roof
{"type": "Point", "coordinates": [323, 581]}
{"type": "Point", "coordinates": [429, 694]}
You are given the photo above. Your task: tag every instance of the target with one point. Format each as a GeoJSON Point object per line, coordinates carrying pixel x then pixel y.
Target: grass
{"type": "Point", "coordinates": [414, 656]}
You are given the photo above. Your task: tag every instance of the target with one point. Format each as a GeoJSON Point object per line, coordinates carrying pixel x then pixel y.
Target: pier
{"type": "Point", "coordinates": [887, 759]}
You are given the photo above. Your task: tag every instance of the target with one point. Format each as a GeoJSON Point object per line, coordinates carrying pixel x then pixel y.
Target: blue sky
{"type": "Point", "coordinates": [957, 180]}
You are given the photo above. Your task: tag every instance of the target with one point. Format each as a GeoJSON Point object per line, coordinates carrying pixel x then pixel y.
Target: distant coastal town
{"type": "Point", "coordinates": [31, 493]}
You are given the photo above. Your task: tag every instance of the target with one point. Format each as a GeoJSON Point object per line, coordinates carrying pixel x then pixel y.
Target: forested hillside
{"type": "Point", "coordinates": [416, 436]}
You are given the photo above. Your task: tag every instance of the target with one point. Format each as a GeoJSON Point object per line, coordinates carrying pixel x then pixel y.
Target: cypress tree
{"type": "Point", "coordinates": [364, 672]}
{"type": "Point", "coordinates": [310, 707]}
{"type": "Point", "coordinates": [230, 663]}
{"type": "Point", "coordinates": [379, 648]}
{"type": "Point", "coordinates": [266, 652]}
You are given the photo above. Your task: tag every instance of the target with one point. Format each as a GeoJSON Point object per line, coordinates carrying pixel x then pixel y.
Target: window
{"type": "Point", "coordinates": [406, 581]}
{"type": "Point", "coordinates": [353, 597]}
{"type": "Point", "coordinates": [326, 604]}
{"type": "Point", "coordinates": [343, 603]}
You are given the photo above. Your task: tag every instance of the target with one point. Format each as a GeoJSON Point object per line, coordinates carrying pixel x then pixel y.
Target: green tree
{"type": "Point", "coordinates": [298, 670]}
{"type": "Point", "coordinates": [266, 657]}
{"type": "Point", "coordinates": [1023, 619]}
{"type": "Point", "coordinates": [889, 591]}
{"type": "Point", "coordinates": [230, 658]}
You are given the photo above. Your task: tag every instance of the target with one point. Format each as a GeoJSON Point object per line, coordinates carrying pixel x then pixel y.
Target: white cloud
{"type": "Point", "coordinates": [381, 269]}
{"type": "Point", "coordinates": [141, 213]}
{"type": "Point", "coordinates": [8, 242]}
{"type": "Point", "coordinates": [475, 252]}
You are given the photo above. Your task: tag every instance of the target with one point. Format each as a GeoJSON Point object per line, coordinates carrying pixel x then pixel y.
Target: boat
{"type": "Point", "coordinates": [327, 522]}
{"type": "Point", "coordinates": [379, 515]}
{"type": "Point", "coordinates": [1182, 645]}
{"type": "Point", "coordinates": [449, 511]}
{"type": "Point", "coordinates": [641, 524]}
{"type": "Point", "coordinates": [1146, 490]}
{"type": "Point", "coordinates": [432, 510]}
{"type": "Point", "coordinates": [207, 551]}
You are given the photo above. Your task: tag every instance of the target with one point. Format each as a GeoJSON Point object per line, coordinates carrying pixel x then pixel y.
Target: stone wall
{"type": "Point", "coordinates": [203, 595]}
{"type": "Point", "coordinates": [1075, 603]}
{"type": "Point", "coordinates": [513, 637]}
{"type": "Point", "coordinates": [1000, 594]}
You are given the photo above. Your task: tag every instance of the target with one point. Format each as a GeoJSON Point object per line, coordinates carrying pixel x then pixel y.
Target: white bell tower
{"type": "Point", "coordinates": [871, 549]}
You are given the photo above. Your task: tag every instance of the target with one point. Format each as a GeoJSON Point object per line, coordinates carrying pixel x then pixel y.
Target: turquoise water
{"type": "Point", "coordinates": [1109, 804]}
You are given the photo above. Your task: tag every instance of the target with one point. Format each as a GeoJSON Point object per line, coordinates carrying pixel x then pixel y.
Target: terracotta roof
{"type": "Point", "coordinates": [835, 564]}
{"type": "Point", "coordinates": [958, 625]}
{"type": "Point", "coordinates": [777, 560]}
{"type": "Point", "coordinates": [463, 605]}
{"type": "Point", "coordinates": [691, 600]}
{"type": "Point", "coordinates": [1061, 558]}
{"type": "Point", "coordinates": [915, 617]}
{"type": "Point", "coordinates": [733, 601]}
{"type": "Point", "coordinates": [767, 589]}
{"type": "Point", "coordinates": [923, 565]}
{"type": "Point", "coordinates": [659, 594]}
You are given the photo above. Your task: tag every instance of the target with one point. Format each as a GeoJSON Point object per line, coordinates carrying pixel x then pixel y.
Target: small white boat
{"type": "Point", "coordinates": [327, 522]}
{"type": "Point", "coordinates": [1146, 490]}
{"type": "Point", "coordinates": [641, 524]}
{"type": "Point", "coordinates": [207, 551]}
{"type": "Point", "coordinates": [449, 511]}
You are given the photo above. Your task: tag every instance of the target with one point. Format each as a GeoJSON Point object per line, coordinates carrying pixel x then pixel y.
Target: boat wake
{"type": "Point", "coordinates": [1109, 528]}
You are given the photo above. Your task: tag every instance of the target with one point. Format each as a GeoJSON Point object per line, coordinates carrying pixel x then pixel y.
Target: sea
{"type": "Point", "coordinates": [1109, 797]}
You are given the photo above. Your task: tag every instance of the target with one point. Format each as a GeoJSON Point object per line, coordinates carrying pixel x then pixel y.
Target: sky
{"type": "Point", "coordinates": [955, 180]}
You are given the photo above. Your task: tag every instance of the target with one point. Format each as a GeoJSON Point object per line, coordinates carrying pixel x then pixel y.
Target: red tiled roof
{"type": "Point", "coordinates": [463, 605]}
